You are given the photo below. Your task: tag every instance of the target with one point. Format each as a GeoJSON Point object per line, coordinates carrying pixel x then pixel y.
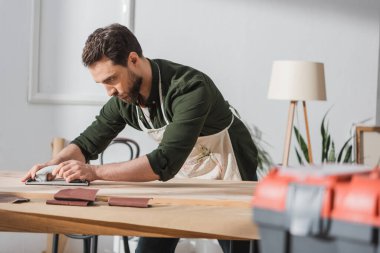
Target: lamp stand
{"type": "Point", "coordinates": [288, 135]}
{"type": "Point", "coordinates": [289, 130]}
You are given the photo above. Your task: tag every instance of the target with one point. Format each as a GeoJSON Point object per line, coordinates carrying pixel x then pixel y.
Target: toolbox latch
{"type": "Point", "coordinates": [303, 209]}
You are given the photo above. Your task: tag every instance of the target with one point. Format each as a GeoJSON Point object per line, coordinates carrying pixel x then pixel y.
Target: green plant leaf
{"type": "Point", "coordinates": [298, 157]}
{"type": "Point", "coordinates": [301, 144]}
{"type": "Point", "coordinates": [343, 149]}
{"type": "Point", "coordinates": [264, 160]}
{"type": "Point", "coordinates": [331, 155]}
{"type": "Point", "coordinates": [324, 139]}
{"type": "Point", "coordinates": [323, 131]}
{"type": "Point", "coordinates": [347, 157]}
{"type": "Point", "coordinates": [326, 149]}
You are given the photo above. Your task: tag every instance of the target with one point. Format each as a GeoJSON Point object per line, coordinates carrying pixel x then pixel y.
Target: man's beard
{"type": "Point", "coordinates": [134, 92]}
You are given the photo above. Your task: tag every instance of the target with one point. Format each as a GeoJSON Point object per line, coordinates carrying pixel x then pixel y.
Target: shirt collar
{"type": "Point", "coordinates": [153, 96]}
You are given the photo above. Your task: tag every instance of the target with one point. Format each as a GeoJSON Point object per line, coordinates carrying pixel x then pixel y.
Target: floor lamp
{"type": "Point", "coordinates": [297, 81]}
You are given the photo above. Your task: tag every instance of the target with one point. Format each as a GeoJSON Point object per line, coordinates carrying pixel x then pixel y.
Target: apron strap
{"type": "Point", "coordinates": [143, 128]}
{"type": "Point", "coordinates": [161, 104]}
{"type": "Point", "coordinates": [235, 112]}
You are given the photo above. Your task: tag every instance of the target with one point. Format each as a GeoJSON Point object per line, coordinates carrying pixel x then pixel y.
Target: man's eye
{"type": "Point", "coordinates": [110, 80]}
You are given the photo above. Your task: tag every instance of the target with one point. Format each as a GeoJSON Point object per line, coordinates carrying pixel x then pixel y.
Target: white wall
{"type": "Point", "coordinates": [235, 43]}
{"type": "Point", "coordinates": [378, 89]}
{"type": "Point", "coordinates": [27, 129]}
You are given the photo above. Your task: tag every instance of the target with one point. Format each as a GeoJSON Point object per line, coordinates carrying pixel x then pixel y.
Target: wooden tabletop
{"type": "Point", "coordinates": [179, 208]}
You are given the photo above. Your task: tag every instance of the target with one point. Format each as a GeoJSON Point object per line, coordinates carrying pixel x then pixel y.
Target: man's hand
{"type": "Point", "coordinates": [72, 169]}
{"type": "Point", "coordinates": [32, 172]}
{"type": "Point", "coordinates": [70, 153]}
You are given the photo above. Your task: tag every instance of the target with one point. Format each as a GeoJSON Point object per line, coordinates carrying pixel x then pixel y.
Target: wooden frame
{"type": "Point", "coordinates": [368, 145]}
{"type": "Point", "coordinates": [56, 75]}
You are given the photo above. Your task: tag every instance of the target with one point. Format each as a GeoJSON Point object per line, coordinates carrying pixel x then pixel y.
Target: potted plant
{"type": "Point", "coordinates": [265, 161]}
{"type": "Point", "coordinates": [329, 154]}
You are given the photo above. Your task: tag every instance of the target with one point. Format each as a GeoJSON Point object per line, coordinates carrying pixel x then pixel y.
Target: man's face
{"type": "Point", "coordinates": [118, 80]}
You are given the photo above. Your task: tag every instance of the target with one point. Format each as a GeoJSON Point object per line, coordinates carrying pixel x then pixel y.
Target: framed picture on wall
{"type": "Point", "coordinates": [59, 32]}
{"type": "Point", "coordinates": [368, 145]}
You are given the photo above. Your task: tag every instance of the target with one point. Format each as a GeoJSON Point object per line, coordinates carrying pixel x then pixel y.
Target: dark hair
{"type": "Point", "coordinates": [114, 41]}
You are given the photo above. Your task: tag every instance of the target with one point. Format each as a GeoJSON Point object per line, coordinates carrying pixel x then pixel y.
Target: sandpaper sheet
{"type": "Point", "coordinates": [68, 202]}
{"type": "Point", "coordinates": [9, 198]}
{"type": "Point", "coordinates": [76, 194]}
{"type": "Point", "coordinates": [74, 197]}
{"type": "Point", "coordinates": [129, 202]}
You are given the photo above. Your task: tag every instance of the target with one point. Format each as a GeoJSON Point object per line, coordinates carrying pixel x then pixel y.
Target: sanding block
{"type": "Point", "coordinates": [44, 177]}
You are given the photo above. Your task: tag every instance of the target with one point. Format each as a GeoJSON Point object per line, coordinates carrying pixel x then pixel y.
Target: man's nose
{"type": "Point", "coordinates": [111, 91]}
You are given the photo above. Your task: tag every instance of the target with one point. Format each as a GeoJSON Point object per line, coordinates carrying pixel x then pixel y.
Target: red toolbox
{"type": "Point", "coordinates": [327, 208]}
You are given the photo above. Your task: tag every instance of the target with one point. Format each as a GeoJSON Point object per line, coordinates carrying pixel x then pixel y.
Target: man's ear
{"type": "Point", "coordinates": [133, 57]}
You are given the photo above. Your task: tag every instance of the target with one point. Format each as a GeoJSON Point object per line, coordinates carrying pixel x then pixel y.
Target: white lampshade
{"type": "Point", "coordinates": [297, 80]}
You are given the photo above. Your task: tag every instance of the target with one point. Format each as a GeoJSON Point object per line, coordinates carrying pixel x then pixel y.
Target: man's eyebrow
{"type": "Point", "coordinates": [108, 79]}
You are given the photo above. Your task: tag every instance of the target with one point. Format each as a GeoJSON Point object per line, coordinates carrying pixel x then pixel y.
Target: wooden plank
{"type": "Point", "coordinates": [174, 192]}
{"type": "Point", "coordinates": [162, 221]}
{"type": "Point", "coordinates": [180, 208]}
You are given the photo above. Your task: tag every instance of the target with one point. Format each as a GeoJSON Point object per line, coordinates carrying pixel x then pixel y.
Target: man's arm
{"type": "Point", "coordinates": [71, 165]}
{"type": "Point", "coordinates": [137, 170]}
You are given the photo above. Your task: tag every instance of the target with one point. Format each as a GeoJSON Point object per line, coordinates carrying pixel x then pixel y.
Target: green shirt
{"type": "Point", "coordinates": [194, 107]}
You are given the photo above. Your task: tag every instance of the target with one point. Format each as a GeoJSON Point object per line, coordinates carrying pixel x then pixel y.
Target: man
{"type": "Point", "coordinates": [197, 133]}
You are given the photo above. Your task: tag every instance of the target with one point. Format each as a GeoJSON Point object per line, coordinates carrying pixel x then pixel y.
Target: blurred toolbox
{"type": "Point", "coordinates": [327, 208]}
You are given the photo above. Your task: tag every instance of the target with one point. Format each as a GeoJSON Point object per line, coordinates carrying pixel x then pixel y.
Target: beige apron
{"type": "Point", "coordinates": [212, 156]}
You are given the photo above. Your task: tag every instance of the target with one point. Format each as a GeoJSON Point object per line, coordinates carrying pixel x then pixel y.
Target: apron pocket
{"type": "Point", "coordinates": [201, 166]}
